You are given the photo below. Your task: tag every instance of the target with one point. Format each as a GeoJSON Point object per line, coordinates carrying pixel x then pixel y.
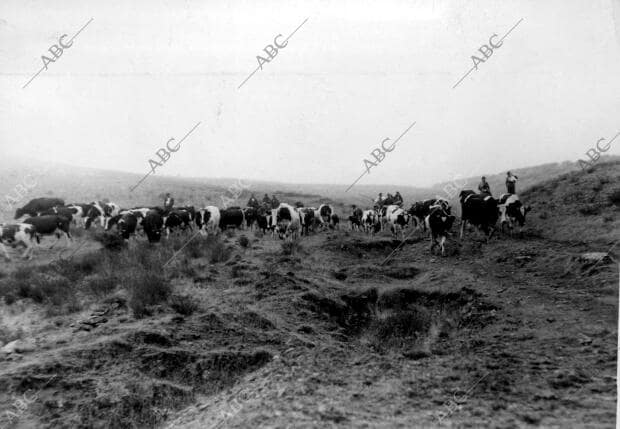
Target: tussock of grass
{"type": "Point", "coordinates": [183, 304]}
{"type": "Point", "coordinates": [51, 289]}
{"type": "Point", "coordinates": [291, 247]}
{"type": "Point", "coordinates": [405, 324]}
{"type": "Point", "coordinates": [101, 284]}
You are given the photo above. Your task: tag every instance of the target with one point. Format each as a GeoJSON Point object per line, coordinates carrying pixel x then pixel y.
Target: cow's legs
{"type": "Point", "coordinates": [6, 254]}
{"type": "Point", "coordinates": [463, 222]}
{"type": "Point", "coordinates": [433, 243]}
{"type": "Point", "coordinates": [28, 251]}
{"type": "Point", "coordinates": [442, 243]}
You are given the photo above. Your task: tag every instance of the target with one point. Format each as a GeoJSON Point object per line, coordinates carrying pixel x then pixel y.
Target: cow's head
{"type": "Point", "coordinates": [92, 214]}
{"type": "Point", "coordinates": [153, 235]}
{"type": "Point", "coordinates": [517, 211]}
{"type": "Point", "coordinates": [19, 213]}
{"type": "Point", "coordinates": [113, 221]}
{"type": "Point", "coordinates": [464, 194]}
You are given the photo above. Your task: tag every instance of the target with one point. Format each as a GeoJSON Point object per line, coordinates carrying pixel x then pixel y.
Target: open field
{"type": "Point", "coordinates": [518, 332]}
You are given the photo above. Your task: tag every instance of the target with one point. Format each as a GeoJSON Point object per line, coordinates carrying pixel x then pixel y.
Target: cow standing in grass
{"type": "Point", "coordinates": [512, 212]}
{"type": "Point", "coordinates": [231, 217]}
{"type": "Point", "coordinates": [103, 212]}
{"type": "Point", "coordinates": [479, 210]}
{"type": "Point", "coordinates": [177, 219]}
{"type": "Point", "coordinates": [397, 219]}
{"type": "Point", "coordinates": [37, 206]}
{"type": "Point", "coordinates": [208, 220]}
{"type": "Point", "coordinates": [16, 234]}
{"type": "Point", "coordinates": [439, 222]}
{"type": "Point", "coordinates": [51, 225]}
{"type": "Point", "coordinates": [288, 221]}
{"type": "Point", "coordinates": [153, 224]}
{"type": "Point", "coordinates": [126, 223]}
{"type": "Point", "coordinates": [80, 212]}
{"type": "Point", "coordinates": [355, 220]}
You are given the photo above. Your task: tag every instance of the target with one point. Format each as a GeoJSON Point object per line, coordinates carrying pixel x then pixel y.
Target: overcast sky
{"type": "Point", "coordinates": [354, 74]}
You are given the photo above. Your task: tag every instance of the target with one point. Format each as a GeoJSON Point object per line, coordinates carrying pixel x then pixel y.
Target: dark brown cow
{"type": "Point", "coordinates": [38, 205]}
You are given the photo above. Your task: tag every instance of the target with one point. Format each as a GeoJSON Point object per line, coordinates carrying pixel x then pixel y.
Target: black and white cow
{"type": "Point", "coordinates": [231, 217]}
{"type": "Point", "coordinates": [36, 206]}
{"type": "Point", "coordinates": [371, 222]}
{"type": "Point", "coordinates": [177, 218]}
{"type": "Point", "coordinates": [190, 210]}
{"type": "Point", "coordinates": [355, 220]}
{"type": "Point", "coordinates": [288, 221]}
{"type": "Point", "coordinates": [324, 214]}
{"type": "Point", "coordinates": [480, 210]}
{"type": "Point", "coordinates": [126, 223]}
{"type": "Point", "coordinates": [511, 211]}
{"type": "Point", "coordinates": [80, 211]}
{"type": "Point", "coordinates": [208, 220]}
{"type": "Point", "coordinates": [50, 224]}
{"type": "Point", "coordinates": [153, 224]}
{"type": "Point", "coordinates": [439, 222]}
{"type": "Point", "coordinates": [103, 211]}
{"type": "Point", "coordinates": [397, 219]}
{"type": "Point", "coordinates": [420, 209]}
{"type": "Point", "coordinates": [16, 234]}
{"type": "Point", "coordinates": [307, 216]}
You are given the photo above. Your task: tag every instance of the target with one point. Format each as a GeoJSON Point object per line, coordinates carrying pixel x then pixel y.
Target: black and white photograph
{"type": "Point", "coordinates": [309, 214]}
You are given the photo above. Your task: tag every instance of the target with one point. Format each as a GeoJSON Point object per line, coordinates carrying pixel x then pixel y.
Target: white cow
{"type": "Point", "coordinates": [288, 221]}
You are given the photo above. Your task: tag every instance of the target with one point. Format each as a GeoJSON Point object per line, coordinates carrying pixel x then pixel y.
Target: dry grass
{"type": "Point", "coordinates": [183, 304]}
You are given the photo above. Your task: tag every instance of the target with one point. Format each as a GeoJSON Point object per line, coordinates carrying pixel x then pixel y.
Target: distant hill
{"type": "Point", "coordinates": [81, 184]}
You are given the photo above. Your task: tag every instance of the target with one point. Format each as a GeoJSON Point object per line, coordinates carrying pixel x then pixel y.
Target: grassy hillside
{"type": "Point", "coordinates": [578, 206]}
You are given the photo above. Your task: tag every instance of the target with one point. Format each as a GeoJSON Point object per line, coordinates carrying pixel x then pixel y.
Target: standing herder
{"type": "Point", "coordinates": [168, 202]}
{"type": "Point", "coordinates": [511, 183]}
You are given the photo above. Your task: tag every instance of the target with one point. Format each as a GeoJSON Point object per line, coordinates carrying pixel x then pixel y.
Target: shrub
{"type": "Point", "coordinates": [291, 247]}
{"type": "Point", "coordinates": [244, 242]}
{"type": "Point", "coordinates": [102, 284]}
{"type": "Point", "coordinates": [614, 197]}
{"type": "Point", "coordinates": [589, 210]}
{"type": "Point", "coordinates": [110, 241]}
{"type": "Point", "coordinates": [183, 304]}
{"type": "Point", "coordinates": [44, 288]}
{"type": "Point", "coordinates": [146, 287]}
{"type": "Point", "coordinates": [220, 253]}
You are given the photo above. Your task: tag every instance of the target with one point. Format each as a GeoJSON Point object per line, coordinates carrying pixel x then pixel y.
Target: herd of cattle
{"type": "Point", "coordinates": [50, 216]}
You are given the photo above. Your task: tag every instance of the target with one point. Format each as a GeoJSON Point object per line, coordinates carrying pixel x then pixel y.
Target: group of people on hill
{"type": "Point", "coordinates": [511, 184]}
{"type": "Point", "coordinates": [396, 199]}
{"type": "Point", "coordinates": [390, 199]}
{"type": "Point", "coordinates": [268, 203]}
